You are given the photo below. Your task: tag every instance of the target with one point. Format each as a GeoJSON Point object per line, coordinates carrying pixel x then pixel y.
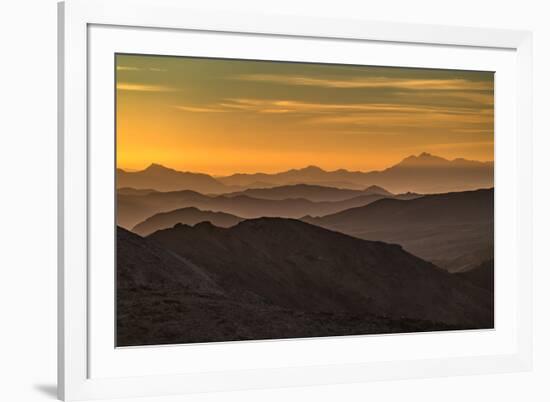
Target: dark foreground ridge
{"type": "Point", "coordinates": [273, 278]}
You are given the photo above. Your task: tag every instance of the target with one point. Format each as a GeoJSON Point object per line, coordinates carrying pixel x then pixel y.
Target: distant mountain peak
{"type": "Point", "coordinates": [161, 178]}
{"type": "Point", "coordinates": [312, 168]}
{"type": "Point", "coordinates": [423, 158]}
{"type": "Point", "coordinates": [376, 189]}
{"type": "Point", "coordinates": [156, 167]}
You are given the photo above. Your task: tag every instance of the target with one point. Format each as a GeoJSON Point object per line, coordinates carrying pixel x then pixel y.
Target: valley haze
{"type": "Point", "coordinates": [287, 255]}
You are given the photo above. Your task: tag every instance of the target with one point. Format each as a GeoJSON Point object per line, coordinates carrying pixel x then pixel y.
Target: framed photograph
{"type": "Point", "coordinates": [252, 201]}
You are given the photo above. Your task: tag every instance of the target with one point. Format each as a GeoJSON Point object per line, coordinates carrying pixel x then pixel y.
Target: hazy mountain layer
{"type": "Point", "coordinates": [133, 209]}
{"type": "Point", "coordinates": [187, 216]}
{"type": "Point", "coordinates": [424, 173]}
{"type": "Point", "coordinates": [453, 230]}
{"type": "Point", "coordinates": [309, 192]}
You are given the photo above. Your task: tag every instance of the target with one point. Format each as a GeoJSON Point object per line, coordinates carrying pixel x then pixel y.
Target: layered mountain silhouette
{"type": "Point", "coordinates": [452, 230]}
{"type": "Point", "coordinates": [309, 192]}
{"type": "Point", "coordinates": [135, 191]}
{"type": "Point", "coordinates": [311, 175]}
{"type": "Point", "coordinates": [188, 216]}
{"type": "Point", "coordinates": [427, 173]}
{"type": "Point", "coordinates": [133, 209]}
{"type": "Point", "coordinates": [305, 252]}
{"type": "Point", "coordinates": [161, 178]}
{"type": "Point", "coordinates": [281, 278]}
{"type": "Point", "coordinates": [424, 173]}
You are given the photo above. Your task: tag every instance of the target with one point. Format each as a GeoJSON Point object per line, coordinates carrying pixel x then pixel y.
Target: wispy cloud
{"type": "Point", "coordinates": [127, 68]}
{"type": "Point", "coordinates": [393, 120]}
{"type": "Point", "coordinates": [199, 109]}
{"type": "Point", "coordinates": [473, 131]}
{"type": "Point", "coordinates": [370, 82]}
{"type": "Point", "coordinates": [125, 86]}
{"type": "Point", "coordinates": [131, 68]}
{"type": "Point", "coordinates": [479, 98]}
{"type": "Point", "coordinates": [382, 116]}
{"type": "Point", "coordinates": [289, 106]}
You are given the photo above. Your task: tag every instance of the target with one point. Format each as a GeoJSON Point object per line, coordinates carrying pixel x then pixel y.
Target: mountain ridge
{"type": "Point", "coordinates": [442, 228]}
{"type": "Point", "coordinates": [133, 209]}
{"type": "Point", "coordinates": [310, 192]}
{"type": "Point", "coordinates": [423, 173]}
{"type": "Point", "coordinates": [297, 265]}
{"type": "Point", "coordinates": [162, 178]}
{"type": "Point", "coordinates": [166, 298]}
{"type": "Point", "coordinates": [188, 215]}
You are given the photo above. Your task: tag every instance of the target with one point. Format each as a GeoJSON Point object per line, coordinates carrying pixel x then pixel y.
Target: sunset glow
{"type": "Point", "coordinates": [220, 116]}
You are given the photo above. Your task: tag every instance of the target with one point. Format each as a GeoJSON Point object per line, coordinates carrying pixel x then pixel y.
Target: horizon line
{"type": "Point", "coordinates": [215, 175]}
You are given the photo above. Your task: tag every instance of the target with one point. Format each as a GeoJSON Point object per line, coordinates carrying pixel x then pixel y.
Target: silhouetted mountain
{"type": "Point", "coordinates": [483, 275]}
{"type": "Point", "coordinates": [160, 178]}
{"type": "Point", "coordinates": [187, 216]}
{"type": "Point", "coordinates": [423, 160]}
{"type": "Point", "coordinates": [427, 173]}
{"type": "Point", "coordinates": [143, 264]}
{"type": "Point", "coordinates": [134, 209]}
{"type": "Point", "coordinates": [134, 191]}
{"type": "Point", "coordinates": [453, 230]}
{"type": "Point", "coordinates": [310, 175]}
{"type": "Point", "coordinates": [308, 192]}
{"type": "Point", "coordinates": [377, 190]}
{"type": "Point", "coordinates": [424, 173]}
{"type": "Point", "coordinates": [276, 278]}
{"type": "Point", "coordinates": [153, 287]}
{"type": "Point", "coordinates": [163, 298]}
{"type": "Point", "coordinates": [302, 267]}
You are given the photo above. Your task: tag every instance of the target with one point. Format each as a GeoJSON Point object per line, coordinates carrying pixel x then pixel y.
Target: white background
{"type": "Point", "coordinates": [28, 200]}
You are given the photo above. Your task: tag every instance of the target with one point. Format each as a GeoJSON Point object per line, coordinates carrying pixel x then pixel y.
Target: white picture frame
{"type": "Point", "coordinates": [77, 333]}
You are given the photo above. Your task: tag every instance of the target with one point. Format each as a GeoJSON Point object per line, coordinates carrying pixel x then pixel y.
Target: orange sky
{"type": "Point", "coordinates": [222, 116]}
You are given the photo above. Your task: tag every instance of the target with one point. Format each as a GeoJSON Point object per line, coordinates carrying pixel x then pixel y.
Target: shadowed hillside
{"type": "Point", "coordinates": [144, 264]}
{"type": "Point", "coordinates": [453, 230]}
{"type": "Point", "coordinates": [279, 278]}
{"type": "Point", "coordinates": [300, 266]}
{"type": "Point", "coordinates": [482, 275]}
